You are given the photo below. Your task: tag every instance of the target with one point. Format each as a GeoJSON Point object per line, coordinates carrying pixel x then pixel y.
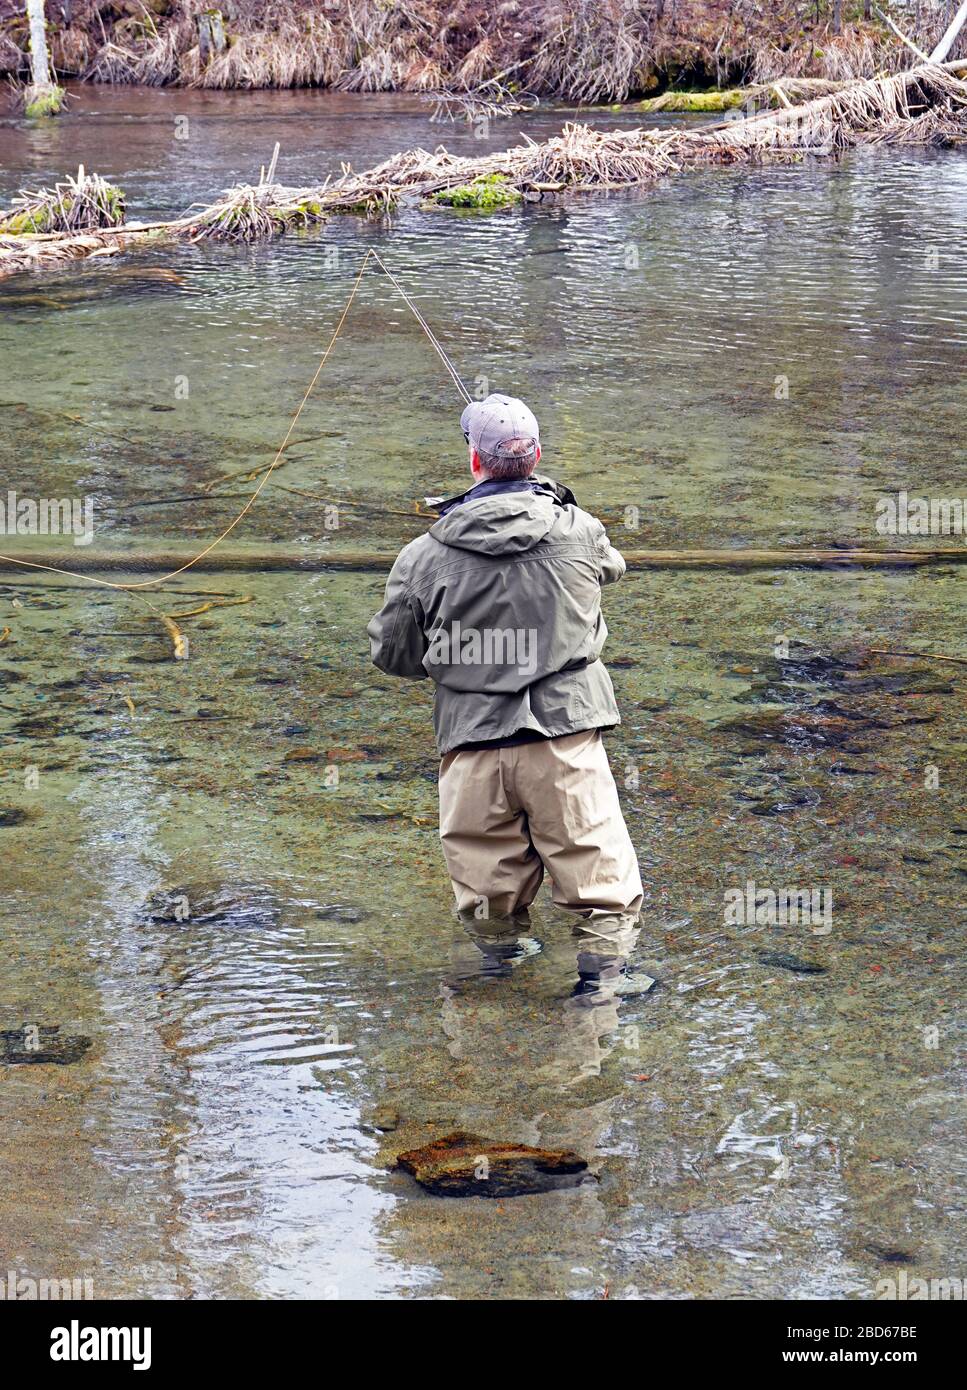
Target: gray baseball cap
{"type": "Point", "coordinates": [487, 424]}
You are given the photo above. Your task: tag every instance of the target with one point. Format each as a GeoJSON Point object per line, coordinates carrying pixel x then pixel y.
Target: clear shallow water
{"type": "Point", "coordinates": [753, 1131]}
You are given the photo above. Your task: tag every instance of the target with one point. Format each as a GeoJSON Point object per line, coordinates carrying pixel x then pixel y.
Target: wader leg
{"type": "Point", "coordinates": [493, 866]}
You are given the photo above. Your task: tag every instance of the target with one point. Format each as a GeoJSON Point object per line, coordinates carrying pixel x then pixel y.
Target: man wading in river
{"type": "Point", "coordinates": [500, 604]}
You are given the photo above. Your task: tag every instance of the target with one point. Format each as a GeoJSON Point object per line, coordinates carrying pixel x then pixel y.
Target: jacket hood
{"type": "Point", "coordinates": [537, 482]}
{"type": "Point", "coordinates": [504, 524]}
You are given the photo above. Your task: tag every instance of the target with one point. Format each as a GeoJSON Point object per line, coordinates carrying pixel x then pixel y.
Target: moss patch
{"type": "Point", "coordinates": [44, 101]}
{"type": "Point", "coordinates": [487, 192]}
{"type": "Point", "coordinates": [712, 100]}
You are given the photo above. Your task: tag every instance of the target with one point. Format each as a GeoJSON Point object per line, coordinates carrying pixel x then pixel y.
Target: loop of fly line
{"type": "Point", "coordinates": [163, 579]}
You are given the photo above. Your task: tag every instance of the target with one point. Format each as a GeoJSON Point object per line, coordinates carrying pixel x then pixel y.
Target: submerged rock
{"type": "Point", "coordinates": [815, 728]}
{"type": "Point", "coordinates": [636, 984]}
{"type": "Point", "coordinates": [888, 1255]}
{"type": "Point", "coordinates": [236, 905]}
{"type": "Point", "coordinates": [340, 912]}
{"type": "Point", "coordinates": [782, 960]}
{"type": "Point", "coordinates": [386, 1118]}
{"type": "Point", "coordinates": [302, 755]}
{"type": "Point", "coordinates": [38, 1042]}
{"type": "Point", "coordinates": [851, 672]}
{"type": "Point", "coordinates": [467, 1165]}
{"type": "Point", "coordinates": [777, 806]}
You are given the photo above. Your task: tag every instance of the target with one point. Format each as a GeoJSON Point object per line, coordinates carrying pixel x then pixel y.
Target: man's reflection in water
{"type": "Point", "coordinates": [531, 1023]}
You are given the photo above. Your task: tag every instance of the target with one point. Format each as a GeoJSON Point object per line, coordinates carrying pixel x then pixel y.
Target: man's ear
{"type": "Point", "coordinates": [538, 455]}
{"type": "Point", "coordinates": [474, 461]}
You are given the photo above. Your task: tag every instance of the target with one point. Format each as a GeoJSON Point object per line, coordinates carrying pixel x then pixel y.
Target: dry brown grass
{"type": "Point", "coordinates": [593, 50]}
{"type": "Point", "coordinates": [933, 127]}
{"type": "Point", "coordinates": [846, 57]}
{"type": "Point", "coordinates": [581, 50]}
{"type": "Point", "coordinates": [292, 56]}
{"type": "Point", "coordinates": [80, 204]}
{"type": "Point", "coordinates": [160, 59]}
{"type": "Point", "coordinates": [71, 49]}
{"type": "Point", "coordinates": [387, 42]}
{"type": "Point", "coordinates": [112, 63]}
{"type": "Point", "coordinates": [479, 65]}
{"type": "Point", "coordinates": [253, 212]}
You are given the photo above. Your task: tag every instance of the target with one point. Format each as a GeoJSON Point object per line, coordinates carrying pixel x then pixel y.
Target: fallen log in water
{"type": "Point", "coordinates": [928, 100]}
{"type": "Point", "coordinates": [583, 160]}
{"type": "Point", "coordinates": [238, 558]}
{"type": "Point", "coordinates": [19, 253]}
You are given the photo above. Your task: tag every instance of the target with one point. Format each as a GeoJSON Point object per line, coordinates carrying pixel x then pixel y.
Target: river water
{"type": "Point", "coordinates": [736, 358]}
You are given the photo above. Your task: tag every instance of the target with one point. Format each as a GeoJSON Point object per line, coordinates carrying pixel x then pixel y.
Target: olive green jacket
{"type": "Point", "coordinates": [499, 603]}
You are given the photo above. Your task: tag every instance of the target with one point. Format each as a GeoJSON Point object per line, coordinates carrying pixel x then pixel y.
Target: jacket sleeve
{"type": "Point", "coordinates": [396, 637]}
{"type": "Point", "coordinates": [612, 561]}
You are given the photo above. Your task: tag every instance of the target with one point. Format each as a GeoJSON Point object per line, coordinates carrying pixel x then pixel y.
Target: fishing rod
{"type": "Point", "coordinates": [425, 326]}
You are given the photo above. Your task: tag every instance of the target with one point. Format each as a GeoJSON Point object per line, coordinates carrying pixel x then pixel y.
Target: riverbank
{"type": "Point", "coordinates": [608, 50]}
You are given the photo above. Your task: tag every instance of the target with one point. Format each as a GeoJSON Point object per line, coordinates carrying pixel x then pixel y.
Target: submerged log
{"type": "Point", "coordinates": [169, 559]}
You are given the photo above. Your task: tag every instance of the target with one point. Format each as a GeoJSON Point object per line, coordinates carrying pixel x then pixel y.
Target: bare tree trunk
{"type": "Point", "coordinates": [837, 16]}
{"type": "Point", "coordinates": [39, 65]}
{"type": "Point", "coordinates": [43, 97]}
{"type": "Point", "coordinates": [947, 42]}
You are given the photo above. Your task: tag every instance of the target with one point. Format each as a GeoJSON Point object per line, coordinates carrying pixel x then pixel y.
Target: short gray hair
{"type": "Point", "coordinates": [517, 459]}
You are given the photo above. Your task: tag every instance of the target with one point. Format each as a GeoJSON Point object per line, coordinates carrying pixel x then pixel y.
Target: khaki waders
{"type": "Point", "coordinates": [507, 814]}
